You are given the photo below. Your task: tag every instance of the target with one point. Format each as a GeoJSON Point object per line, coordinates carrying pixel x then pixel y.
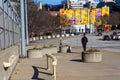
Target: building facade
{"type": "Point", "coordinates": [77, 4]}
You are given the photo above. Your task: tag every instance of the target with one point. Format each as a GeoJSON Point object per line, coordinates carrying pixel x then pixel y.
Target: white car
{"type": "Point", "coordinates": [118, 34]}
{"type": "Point", "coordinates": [115, 36]}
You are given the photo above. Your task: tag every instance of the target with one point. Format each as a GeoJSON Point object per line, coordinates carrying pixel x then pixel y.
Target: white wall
{"type": "Point", "coordinates": [81, 28]}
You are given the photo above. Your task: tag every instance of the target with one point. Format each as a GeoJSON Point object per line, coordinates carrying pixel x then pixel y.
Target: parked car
{"type": "Point", "coordinates": [106, 37]}
{"type": "Point", "coordinates": [115, 36]}
{"type": "Point", "coordinates": [118, 34]}
{"type": "Point", "coordinates": [99, 34]}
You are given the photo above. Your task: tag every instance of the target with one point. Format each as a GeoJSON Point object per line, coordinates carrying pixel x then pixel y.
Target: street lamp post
{"type": "Point", "coordinates": [22, 29]}
{"type": "Point", "coordinates": [26, 14]}
{"type": "Point", "coordinates": [60, 45]}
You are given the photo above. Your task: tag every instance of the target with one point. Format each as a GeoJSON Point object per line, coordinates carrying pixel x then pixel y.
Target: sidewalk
{"type": "Point", "coordinates": [70, 67]}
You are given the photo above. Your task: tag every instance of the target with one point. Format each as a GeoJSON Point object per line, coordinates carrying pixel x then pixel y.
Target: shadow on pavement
{"type": "Point", "coordinates": [77, 60]}
{"type": "Point", "coordinates": [45, 73]}
{"type": "Point", "coordinates": [42, 68]}
{"type": "Point", "coordinates": [76, 52]}
{"type": "Point", "coordinates": [36, 73]}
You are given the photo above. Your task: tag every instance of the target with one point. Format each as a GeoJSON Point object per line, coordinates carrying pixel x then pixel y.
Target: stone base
{"type": "Point", "coordinates": [64, 49]}
{"type": "Point", "coordinates": [92, 57]}
{"type": "Point", "coordinates": [51, 50]}
{"type": "Point", "coordinates": [35, 53]}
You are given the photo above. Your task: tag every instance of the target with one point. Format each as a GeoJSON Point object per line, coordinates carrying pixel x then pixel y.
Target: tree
{"type": "Point", "coordinates": [117, 2]}
{"type": "Point", "coordinates": [40, 21]}
{"type": "Point", "coordinates": [102, 21]}
{"type": "Point", "coordinates": [114, 18]}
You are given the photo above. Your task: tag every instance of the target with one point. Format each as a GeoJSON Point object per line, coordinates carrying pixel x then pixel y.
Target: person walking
{"type": "Point", "coordinates": [84, 41]}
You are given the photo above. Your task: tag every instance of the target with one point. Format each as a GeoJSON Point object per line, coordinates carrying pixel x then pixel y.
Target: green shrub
{"type": "Point", "coordinates": [92, 50]}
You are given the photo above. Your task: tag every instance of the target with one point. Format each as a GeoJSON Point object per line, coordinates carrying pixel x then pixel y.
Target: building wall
{"type": "Point", "coordinates": [77, 4]}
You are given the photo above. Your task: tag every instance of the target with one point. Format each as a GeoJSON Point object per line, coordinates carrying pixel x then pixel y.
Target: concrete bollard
{"type": "Point", "coordinates": [53, 36]}
{"type": "Point", "coordinates": [34, 38]}
{"type": "Point", "coordinates": [58, 36]}
{"type": "Point", "coordinates": [49, 37]}
{"type": "Point", "coordinates": [63, 35]}
{"type": "Point", "coordinates": [72, 34]}
{"type": "Point", "coordinates": [41, 37]}
{"type": "Point", "coordinates": [67, 35]}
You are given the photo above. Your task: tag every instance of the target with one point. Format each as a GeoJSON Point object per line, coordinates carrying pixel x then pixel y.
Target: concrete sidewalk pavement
{"type": "Point", "coordinates": [70, 67]}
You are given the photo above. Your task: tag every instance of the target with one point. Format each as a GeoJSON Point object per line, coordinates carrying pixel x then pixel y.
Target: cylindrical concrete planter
{"type": "Point", "coordinates": [92, 56]}
{"type": "Point", "coordinates": [35, 53]}
{"type": "Point", "coordinates": [50, 50]}
{"type": "Point", "coordinates": [64, 49]}
{"type": "Point", "coordinates": [53, 50]}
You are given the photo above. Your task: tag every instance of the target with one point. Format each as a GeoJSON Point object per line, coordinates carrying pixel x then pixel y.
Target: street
{"type": "Point", "coordinates": [94, 42]}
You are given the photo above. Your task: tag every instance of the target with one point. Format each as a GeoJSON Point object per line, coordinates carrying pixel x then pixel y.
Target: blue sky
{"type": "Point", "coordinates": [52, 1]}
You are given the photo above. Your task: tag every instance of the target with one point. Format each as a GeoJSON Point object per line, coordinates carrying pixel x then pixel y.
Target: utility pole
{"type": "Point", "coordinates": [23, 48]}
{"type": "Point", "coordinates": [26, 20]}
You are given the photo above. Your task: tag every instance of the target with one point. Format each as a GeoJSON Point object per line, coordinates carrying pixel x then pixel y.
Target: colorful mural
{"type": "Point", "coordinates": [78, 17]}
{"type": "Point", "coordinates": [71, 16]}
{"type": "Point", "coordinates": [82, 16]}
{"type": "Point", "coordinates": [105, 11]}
{"type": "Point", "coordinates": [98, 13]}
{"type": "Point", "coordinates": [92, 17]}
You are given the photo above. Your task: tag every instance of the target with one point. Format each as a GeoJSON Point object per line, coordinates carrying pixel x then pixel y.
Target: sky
{"type": "Point", "coordinates": [52, 1]}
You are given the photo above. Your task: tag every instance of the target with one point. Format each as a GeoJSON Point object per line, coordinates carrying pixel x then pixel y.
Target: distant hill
{"type": "Point", "coordinates": [113, 6]}
{"type": "Point", "coordinates": [53, 7]}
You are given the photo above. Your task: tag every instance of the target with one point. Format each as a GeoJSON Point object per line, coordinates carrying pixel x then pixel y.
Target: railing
{"type": "Point", "coordinates": [9, 25]}
{"type": "Point", "coordinates": [54, 63]}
